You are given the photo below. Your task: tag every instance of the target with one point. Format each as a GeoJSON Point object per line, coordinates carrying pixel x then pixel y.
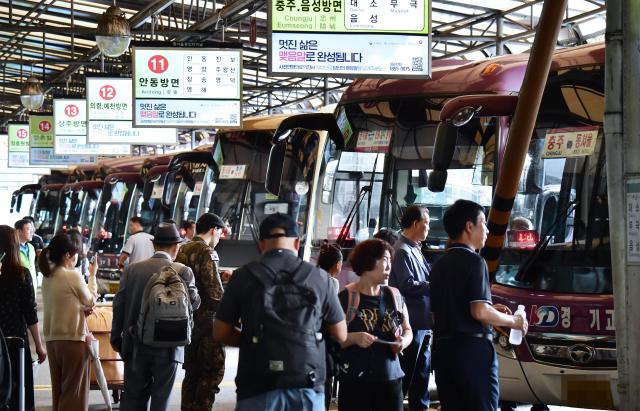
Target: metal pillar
{"type": "Point", "coordinates": [522, 127]}
{"type": "Point", "coordinates": [622, 131]}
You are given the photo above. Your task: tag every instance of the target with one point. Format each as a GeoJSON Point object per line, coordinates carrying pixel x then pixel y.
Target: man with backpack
{"type": "Point", "coordinates": [282, 303]}
{"type": "Point", "coordinates": [151, 337]}
{"type": "Point", "coordinates": [204, 358]}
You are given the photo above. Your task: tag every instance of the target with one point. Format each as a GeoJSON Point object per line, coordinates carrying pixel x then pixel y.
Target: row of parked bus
{"type": "Point", "coordinates": [345, 175]}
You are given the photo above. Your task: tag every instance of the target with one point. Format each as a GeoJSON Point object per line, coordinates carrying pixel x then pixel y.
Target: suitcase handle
{"type": "Point", "coordinates": [20, 344]}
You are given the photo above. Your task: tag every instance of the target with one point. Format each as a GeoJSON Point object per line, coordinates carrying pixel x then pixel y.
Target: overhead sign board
{"type": "Point", "coordinates": [70, 131]}
{"type": "Point", "coordinates": [41, 152]}
{"type": "Point", "coordinates": [110, 107]}
{"type": "Point", "coordinates": [354, 38]}
{"type": "Point", "coordinates": [18, 144]}
{"type": "Point", "coordinates": [187, 87]}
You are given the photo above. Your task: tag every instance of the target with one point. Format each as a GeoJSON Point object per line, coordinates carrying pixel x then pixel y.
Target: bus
{"type": "Point", "coordinates": [233, 183]}
{"type": "Point", "coordinates": [78, 204]}
{"type": "Point", "coordinates": [403, 137]}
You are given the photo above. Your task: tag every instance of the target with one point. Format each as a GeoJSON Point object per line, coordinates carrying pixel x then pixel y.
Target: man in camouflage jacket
{"type": "Point", "coordinates": [204, 358]}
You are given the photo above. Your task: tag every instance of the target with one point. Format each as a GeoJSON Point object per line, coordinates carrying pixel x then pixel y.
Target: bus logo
{"type": "Point", "coordinates": [545, 316]}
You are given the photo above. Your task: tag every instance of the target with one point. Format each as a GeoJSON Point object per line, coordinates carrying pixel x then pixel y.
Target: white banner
{"type": "Point", "coordinates": [123, 132]}
{"type": "Point", "coordinates": [370, 55]}
{"type": "Point", "coordinates": [188, 113]}
{"type": "Point", "coordinates": [109, 98]}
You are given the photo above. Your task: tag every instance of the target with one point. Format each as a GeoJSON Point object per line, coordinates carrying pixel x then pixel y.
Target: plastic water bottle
{"type": "Point", "coordinates": [515, 337]}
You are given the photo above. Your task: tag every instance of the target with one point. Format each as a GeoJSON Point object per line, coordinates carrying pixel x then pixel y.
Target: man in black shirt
{"type": "Point", "coordinates": [464, 358]}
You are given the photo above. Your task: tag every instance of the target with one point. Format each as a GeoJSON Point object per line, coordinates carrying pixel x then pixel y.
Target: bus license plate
{"type": "Point", "coordinates": [589, 393]}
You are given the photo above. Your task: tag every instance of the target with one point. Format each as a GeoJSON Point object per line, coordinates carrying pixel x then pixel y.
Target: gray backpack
{"type": "Point", "coordinates": [166, 315]}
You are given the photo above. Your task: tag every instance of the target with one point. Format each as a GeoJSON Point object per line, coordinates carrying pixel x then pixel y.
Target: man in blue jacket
{"type": "Point", "coordinates": [410, 274]}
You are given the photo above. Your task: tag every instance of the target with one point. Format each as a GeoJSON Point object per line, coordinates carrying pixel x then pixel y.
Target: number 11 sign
{"type": "Point", "coordinates": [187, 87]}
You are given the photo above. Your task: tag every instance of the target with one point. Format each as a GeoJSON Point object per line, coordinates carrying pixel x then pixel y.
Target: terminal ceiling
{"type": "Point", "coordinates": [55, 39]}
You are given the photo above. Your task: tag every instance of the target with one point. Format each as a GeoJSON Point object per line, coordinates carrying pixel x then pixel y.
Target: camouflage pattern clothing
{"type": "Point", "coordinates": [203, 358]}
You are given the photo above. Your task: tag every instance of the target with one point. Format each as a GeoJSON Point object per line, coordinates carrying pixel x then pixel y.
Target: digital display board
{"type": "Point", "coordinates": [70, 131]}
{"type": "Point", "coordinates": [109, 114]}
{"type": "Point", "coordinates": [350, 38]}
{"type": "Point", "coordinates": [185, 86]}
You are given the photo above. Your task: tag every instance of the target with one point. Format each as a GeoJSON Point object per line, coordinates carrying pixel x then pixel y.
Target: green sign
{"type": "Point", "coordinates": [41, 131]}
{"type": "Point", "coordinates": [19, 137]}
{"type": "Point", "coordinates": [351, 16]}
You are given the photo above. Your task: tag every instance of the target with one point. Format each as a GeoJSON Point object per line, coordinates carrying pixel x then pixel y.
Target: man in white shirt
{"type": "Point", "coordinates": [139, 245]}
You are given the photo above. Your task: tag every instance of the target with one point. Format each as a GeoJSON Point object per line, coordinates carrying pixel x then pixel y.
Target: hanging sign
{"type": "Point", "coordinates": [570, 142]}
{"type": "Point", "coordinates": [18, 144]}
{"type": "Point", "coordinates": [41, 152]}
{"type": "Point", "coordinates": [40, 131]}
{"type": "Point", "coordinates": [355, 38]}
{"type": "Point", "coordinates": [187, 87]}
{"type": "Point", "coordinates": [70, 131]}
{"type": "Point", "coordinates": [109, 113]}
{"type": "Point", "coordinates": [632, 188]}
{"type": "Point", "coordinates": [373, 141]}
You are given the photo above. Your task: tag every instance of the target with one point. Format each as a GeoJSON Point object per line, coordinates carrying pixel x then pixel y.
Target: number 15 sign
{"type": "Point", "coordinates": [187, 87]}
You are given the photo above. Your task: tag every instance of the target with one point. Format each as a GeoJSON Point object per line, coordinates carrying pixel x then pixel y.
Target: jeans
{"type": "Point", "coordinates": [294, 399]}
{"type": "Point", "coordinates": [416, 364]}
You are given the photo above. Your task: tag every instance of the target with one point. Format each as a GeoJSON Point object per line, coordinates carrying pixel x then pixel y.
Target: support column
{"type": "Point", "coordinates": [622, 136]}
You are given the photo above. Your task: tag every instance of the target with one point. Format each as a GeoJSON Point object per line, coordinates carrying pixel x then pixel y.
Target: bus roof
{"type": "Point", "coordinates": [502, 74]}
{"type": "Point", "coordinates": [51, 187]}
{"type": "Point", "coordinates": [121, 165]}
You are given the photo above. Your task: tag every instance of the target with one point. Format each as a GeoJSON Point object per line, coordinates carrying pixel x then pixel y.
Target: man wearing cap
{"type": "Point", "coordinates": [259, 388]}
{"type": "Point", "coordinates": [149, 373]}
{"type": "Point", "coordinates": [204, 358]}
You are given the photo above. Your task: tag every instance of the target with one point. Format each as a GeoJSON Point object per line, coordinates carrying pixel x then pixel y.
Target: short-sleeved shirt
{"type": "Point", "coordinates": [139, 246]}
{"type": "Point", "coordinates": [238, 305]}
{"type": "Point", "coordinates": [375, 363]}
{"type": "Point", "coordinates": [458, 278]}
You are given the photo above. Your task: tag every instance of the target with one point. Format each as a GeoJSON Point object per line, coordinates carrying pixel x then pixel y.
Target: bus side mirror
{"type": "Point", "coordinates": [274, 168]}
{"type": "Point", "coordinates": [167, 190]}
{"type": "Point", "coordinates": [444, 147]}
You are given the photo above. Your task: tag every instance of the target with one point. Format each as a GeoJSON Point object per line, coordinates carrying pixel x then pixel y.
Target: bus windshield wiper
{"type": "Point", "coordinates": [542, 244]}
{"type": "Point", "coordinates": [344, 231]}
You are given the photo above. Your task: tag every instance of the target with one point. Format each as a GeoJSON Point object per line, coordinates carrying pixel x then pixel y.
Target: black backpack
{"type": "Point", "coordinates": [288, 347]}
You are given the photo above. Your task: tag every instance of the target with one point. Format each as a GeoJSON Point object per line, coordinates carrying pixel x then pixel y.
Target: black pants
{"type": "Point", "coordinates": [370, 396]}
{"type": "Point", "coordinates": [416, 364]}
{"type": "Point", "coordinates": [466, 371]}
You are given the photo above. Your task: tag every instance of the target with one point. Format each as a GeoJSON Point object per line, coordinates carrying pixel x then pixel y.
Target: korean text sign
{"type": "Point", "coordinates": [109, 113]}
{"type": "Point", "coordinates": [350, 38]}
{"type": "Point", "coordinates": [70, 131]}
{"type": "Point", "coordinates": [187, 87]}
{"type": "Point", "coordinates": [18, 144]}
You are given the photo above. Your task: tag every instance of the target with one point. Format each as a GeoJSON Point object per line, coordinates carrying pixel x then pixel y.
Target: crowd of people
{"type": "Point", "coordinates": [302, 339]}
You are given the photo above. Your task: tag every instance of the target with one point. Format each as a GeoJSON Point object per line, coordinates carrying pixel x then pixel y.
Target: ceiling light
{"type": "Point", "coordinates": [113, 33]}
{"type": "Point", "coordinates": [31, 94]}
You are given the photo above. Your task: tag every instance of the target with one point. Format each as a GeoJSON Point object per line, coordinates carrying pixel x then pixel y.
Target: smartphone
{"type": "Point", "coordinates": [2, 254]}
{"type": "Point", "coordinates": [92, 259]}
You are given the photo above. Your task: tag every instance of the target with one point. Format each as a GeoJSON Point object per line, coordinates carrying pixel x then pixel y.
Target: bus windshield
{"type": "Point", "coordinates": [562, 199]}
{"type": "Point", "coordinates": [70, 209]}
{"type": "Point", "coordinates": [193, 179]}
{"type": "Point", "coordinates": [238, 184]}
{"type": "Point", "coordinates": [149, 205]}
{"type": "Point", "coordinates": [110, 224]}
{"type": "Point", "coordinates": [45, 212]}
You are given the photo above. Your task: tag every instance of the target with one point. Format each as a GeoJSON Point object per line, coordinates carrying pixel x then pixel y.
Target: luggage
{"type": "Point", "coordinates": [16, 351]}
{"type": "Point", "coordinates": [5, 373]}
{"type": "Point", "coordinates": [99, 323]}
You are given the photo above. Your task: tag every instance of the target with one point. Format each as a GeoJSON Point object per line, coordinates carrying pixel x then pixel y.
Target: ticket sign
{"type": "Point", "coordinates": [109, 98]}
{"type": "Point", "coordinates": [70, 131]}
{"type": "Point", "coordinates": [18, 144]}
{"type": "Point", "coordinates": [41, 131]}
{"type": "Point", "coordinates": [231, 172]}
{"type": "Point", "coordinates": [570, 142]}
{"type": "Point", "coordinates": [373, 141]}
{"type": "Point", "coordinates": [355, 38]}
{"type": "Point", "coordinates": [180, 86]}
{"type": "Point", "coordinates": [122, 132]}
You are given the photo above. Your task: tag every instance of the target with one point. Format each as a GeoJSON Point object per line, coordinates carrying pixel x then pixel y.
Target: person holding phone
{"type": "Point", "coordinates": [378, 330]}
{"type": "Point", "coordinates": [18, 311]}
